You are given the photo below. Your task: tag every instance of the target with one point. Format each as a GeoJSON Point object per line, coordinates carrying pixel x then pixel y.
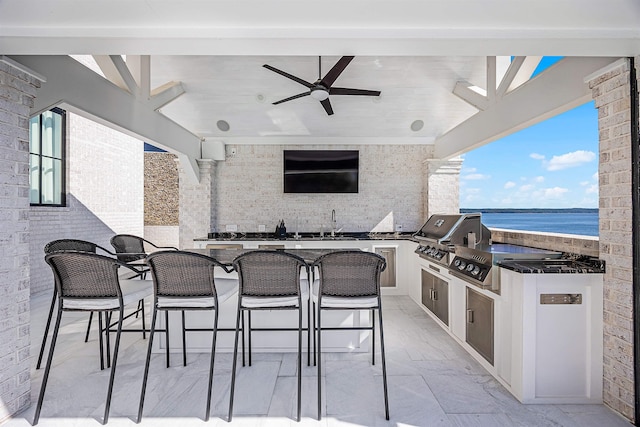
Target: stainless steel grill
{"type": "Point", "coordinates": [463, 244]}
{"type": "Point", "coordinates": [441, 233]}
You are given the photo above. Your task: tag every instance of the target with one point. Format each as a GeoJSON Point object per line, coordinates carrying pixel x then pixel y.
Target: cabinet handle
{"type": "Point", "coordinates": [469, 316]}
{"type": "Point", "coordinates": [435, 295]}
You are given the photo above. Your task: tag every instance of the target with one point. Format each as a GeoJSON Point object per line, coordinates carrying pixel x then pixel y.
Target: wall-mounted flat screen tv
{"type": "Point", "coordinates": [321, 171]}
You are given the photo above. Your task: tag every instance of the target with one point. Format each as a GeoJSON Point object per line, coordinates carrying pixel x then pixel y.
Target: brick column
{"type": "Point", "coordinates": [442, 186]}
{"type": "Point", "coordinates": [197, 213]}
{"type": "Point", "coordinates": [17, 91]}
{"type": "Point", "coordinates": [610, 90]}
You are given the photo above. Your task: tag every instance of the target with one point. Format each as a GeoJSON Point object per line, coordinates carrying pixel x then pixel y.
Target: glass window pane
{"type": "Point", "coordinates": [46, 141]}
{"type": "Point", "coordinates": [51, 180]}
{"type": "Point", "coordinates": [48, 132]}
{"type": "Point", "coordinates": [34, 179]}
{"type": "Point", "coordinates": [56, 142]}
{"type": "Point", "coordinates": [34, 135]}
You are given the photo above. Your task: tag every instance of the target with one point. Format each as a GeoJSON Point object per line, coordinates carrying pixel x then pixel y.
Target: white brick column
{"type": "Point", "coordinates": [197, 213]}
{"type": "Point", "coordinates": [17, 91]}
{"type": "Point", "coordinates": [442, 186]}
{"type": "Point", "coordinates": [610, 90]}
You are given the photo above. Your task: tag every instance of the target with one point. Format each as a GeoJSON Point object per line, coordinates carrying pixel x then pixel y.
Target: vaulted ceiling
{"type": "Point", "coordinates": [190, 67]}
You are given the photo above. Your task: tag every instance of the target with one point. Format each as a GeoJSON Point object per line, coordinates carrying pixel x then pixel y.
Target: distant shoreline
{"type": "Point", "coordinates": [529, 210]}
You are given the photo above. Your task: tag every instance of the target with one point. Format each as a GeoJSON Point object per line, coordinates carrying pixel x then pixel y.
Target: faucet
{"type": "Point", "coordinates": [333, 222]}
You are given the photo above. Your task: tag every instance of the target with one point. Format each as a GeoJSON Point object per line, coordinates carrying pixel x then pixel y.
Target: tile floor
{"type": "Point", "coordinates": [432, 382]}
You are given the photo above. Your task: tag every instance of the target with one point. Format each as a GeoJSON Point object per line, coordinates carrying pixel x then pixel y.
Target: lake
{"type": "Point", "coordinates": [582, 223]}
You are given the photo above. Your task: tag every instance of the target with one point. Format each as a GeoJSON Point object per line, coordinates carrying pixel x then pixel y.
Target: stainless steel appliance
{"type": "Point", "coordinates": [441, 233]}
{"type": "Point", "coordinates": [478, 265]}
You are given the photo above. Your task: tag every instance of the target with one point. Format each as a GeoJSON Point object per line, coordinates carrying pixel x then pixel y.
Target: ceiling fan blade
{"type": "Point", "coordinates": [349, 91]}
{"type": "Point", "coordinates": [300, 95]}
{"type": "Point", "coordinates": [337, 69]}
{"type": "Point", "coordinates": [327, 106]}
{"type": "Point", "coordinates": [289, 76]}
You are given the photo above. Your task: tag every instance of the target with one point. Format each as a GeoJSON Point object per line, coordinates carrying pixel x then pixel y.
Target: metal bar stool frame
{"type": "Point", "coordinates": [179, 280]}
{"type": "Point", "coordinates": [261, 283]}
{"type": "Point", "coordinates": [89, 282]}
{"type": "Point", "coordinates": [344, 285]}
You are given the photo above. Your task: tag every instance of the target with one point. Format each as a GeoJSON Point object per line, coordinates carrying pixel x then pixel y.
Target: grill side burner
{"type": "Point", "coordinates": [476, 265]}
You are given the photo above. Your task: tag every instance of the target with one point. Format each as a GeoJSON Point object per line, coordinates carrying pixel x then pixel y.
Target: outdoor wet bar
{"type": "Point", "coordinates": [415, 213]}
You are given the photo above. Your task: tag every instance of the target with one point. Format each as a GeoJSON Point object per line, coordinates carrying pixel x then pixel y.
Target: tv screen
{"type": "Point", "coordinates": [321, 171]}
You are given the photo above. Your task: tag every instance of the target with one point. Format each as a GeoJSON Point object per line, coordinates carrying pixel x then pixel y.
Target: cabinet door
{"type": "Point", "coordinates": [440, 298]}
{"type": "Point", "coordinates": [427, 289]}
{"type": "Point", "coordinates": [479, 329]}
{"type": "Point", "coordinates": [435, 295]}
{"type": "Point", "coordinates": [388, 277]}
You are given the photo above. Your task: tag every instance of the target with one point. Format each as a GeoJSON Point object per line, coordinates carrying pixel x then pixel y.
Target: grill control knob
{"type": "Point", "coordinates": [470, 267]}
{"type": "Point", "coordinates": [439, 254]}
{"type": "Point", "coordinates": [475, 271]}
{"type": "Point", "coordinates": [461, 265]}
{"type": "Point", "coordinates": [456, 262]}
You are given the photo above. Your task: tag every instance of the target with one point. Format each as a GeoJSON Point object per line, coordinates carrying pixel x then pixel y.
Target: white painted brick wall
{"type": "Point", "coordinates": [248, 191]}
{"type": "Point", "coordinates": [105, 189]}
{"type": "Point", "coordinates": [17, 91]}
{"type": "Point", "coordinates": [196, 201]}
{"type": "Point", "coordinates": [442, 186]}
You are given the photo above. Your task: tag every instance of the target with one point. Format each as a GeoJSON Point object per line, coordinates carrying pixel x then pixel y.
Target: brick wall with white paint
{"type": "Point", "coordinates": [105, 188]}
{"type": "Point", "coordinates": [249, 191]}
{"type": "Point", "coordinates": [441, 186]}
{"type": "Point", "coordinates": [17, 91]}
{"type": "Point", "coordinates": [196, 203]}
{"type": "Point", "coordinates": [610, 91]}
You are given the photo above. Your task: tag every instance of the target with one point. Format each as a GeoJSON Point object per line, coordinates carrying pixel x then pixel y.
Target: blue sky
{"type": "Point", "coordinates": [553, 164]}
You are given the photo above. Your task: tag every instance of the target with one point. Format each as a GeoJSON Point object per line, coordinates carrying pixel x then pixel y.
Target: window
{"type": "Point", "coordinates": [46, 158]}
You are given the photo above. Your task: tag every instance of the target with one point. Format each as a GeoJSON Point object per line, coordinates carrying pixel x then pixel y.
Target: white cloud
{"type": "Point", "coordinates": [595, 176]}
{"type": "Point", "coordinates": [570, 160]}
{"type": "Point", "coordinates": [469, 170]}
{"type": "Point", "coordinates": [555, 192]}
{"type": "Point", "coordinates": [593, 189]}
{"type": "Point", "coordinates": [539, 179]}
{"type": "Point", "coordinates": [584, 183]}
{"type": "Point", "coordinates": [476, 176]}
{"type": "Point", "coordinates": [536, 156]}
{"type": "Point", "coordinates": [527, 187]}
{"type": "Point", "coordinates": [509, 184]}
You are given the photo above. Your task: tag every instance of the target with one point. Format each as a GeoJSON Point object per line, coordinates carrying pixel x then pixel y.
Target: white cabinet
{"type": "Point", "coordinates": [552, 349]}
{"type": "Point", "coordinates": [547, 332]}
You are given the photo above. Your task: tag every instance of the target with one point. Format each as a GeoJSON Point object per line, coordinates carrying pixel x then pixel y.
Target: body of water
{"type": "Point", "coordinates": [582, 223]}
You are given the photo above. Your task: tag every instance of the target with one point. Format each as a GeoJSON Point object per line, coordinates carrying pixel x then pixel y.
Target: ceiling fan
{"type": "Point", "coordinates": [322, 88]}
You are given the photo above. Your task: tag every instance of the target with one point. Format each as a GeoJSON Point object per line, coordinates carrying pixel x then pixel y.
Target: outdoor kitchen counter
{"type": "Point", "coordinates": [551, 312]}
{"type": "Point", "coordinates": [291, 237]}
{"type": "Point", "coordinates": [559, 266]}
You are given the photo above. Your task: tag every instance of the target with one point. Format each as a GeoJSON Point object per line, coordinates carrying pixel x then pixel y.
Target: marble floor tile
{"type": "Point", "coordinates": [432, 382]}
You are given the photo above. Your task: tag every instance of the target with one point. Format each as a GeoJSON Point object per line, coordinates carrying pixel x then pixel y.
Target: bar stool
{"type": "Point", "coordinates": [269, 280]}
{"type": "Point", "coordinates": [62, 245]}
{"type": "Point", "coordinates": [349, 280]}
{"type": "Point", "coordinates": [88, 282]}
{"type": "Point", "coordinates": [185, 281]}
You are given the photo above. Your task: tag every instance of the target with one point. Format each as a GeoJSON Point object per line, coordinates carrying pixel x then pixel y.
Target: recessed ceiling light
{"type": "Point", "coordinates": [223, 125]}
{"type": "Point", "coordinates": [260, 97]}
{"type": "Point", "coordinates": [417, 125]}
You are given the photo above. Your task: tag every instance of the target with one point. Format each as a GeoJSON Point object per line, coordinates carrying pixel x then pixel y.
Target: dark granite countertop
{"type": "Point", "coordinates": [307, 236]}
{"type": "Point", "coordinates": [550, 266]}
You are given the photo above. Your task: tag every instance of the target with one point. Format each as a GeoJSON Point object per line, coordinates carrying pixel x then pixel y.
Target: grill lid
{"type": "Point", "coordinates": [454, 229]}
